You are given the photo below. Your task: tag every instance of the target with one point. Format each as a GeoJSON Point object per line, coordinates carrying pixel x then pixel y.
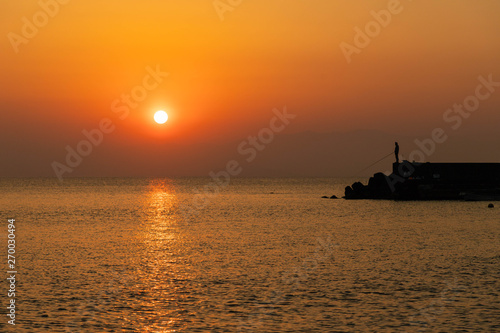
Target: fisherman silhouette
{"type": "Point", "coordinates": [396, 152]}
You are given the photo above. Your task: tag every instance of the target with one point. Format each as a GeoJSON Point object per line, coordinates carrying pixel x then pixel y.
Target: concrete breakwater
{"type": "Point", "coordinates": [432, 181]}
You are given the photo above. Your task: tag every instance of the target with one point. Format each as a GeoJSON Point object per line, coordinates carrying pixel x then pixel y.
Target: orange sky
{"type": "Point", "coordinates": [226, 76]}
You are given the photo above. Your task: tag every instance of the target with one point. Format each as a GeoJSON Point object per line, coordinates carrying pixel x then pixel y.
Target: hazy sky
{"type": "Point", "coordinates": [63, 67]}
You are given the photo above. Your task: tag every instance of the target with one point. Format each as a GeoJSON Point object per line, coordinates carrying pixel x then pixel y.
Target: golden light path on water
{"type": "Point", "coordinates": [159, 235]}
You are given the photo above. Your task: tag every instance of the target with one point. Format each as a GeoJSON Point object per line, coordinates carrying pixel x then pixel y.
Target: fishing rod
{"type": "Point", "coordinates": [383, 158]}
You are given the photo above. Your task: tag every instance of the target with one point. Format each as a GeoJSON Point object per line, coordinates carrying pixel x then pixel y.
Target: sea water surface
{"type": "Point", "coordinates": [259, 255]}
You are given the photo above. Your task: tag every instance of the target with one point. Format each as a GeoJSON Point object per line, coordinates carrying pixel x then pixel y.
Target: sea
{"type": "Point", "coordinates": [242, 255]}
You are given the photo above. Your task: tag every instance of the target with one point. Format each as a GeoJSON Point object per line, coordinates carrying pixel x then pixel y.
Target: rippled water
{"type": "Point", "coordinates": [264, 255]}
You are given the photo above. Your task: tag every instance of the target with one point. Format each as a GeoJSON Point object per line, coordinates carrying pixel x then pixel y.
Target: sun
{"type": "Point", "coordinates": [161, 117]}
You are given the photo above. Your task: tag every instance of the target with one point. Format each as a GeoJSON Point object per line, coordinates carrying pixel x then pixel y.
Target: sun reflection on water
{"type": "Point", "coordinates": [162, 262]}
{"type": "Point", "coordinates": [160, 225]}
{"type": "Point", "coordinates": [161, 201]}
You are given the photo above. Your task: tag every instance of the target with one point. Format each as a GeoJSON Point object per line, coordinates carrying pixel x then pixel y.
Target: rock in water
{"type": "Point", "coordinates": [348, 192]}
